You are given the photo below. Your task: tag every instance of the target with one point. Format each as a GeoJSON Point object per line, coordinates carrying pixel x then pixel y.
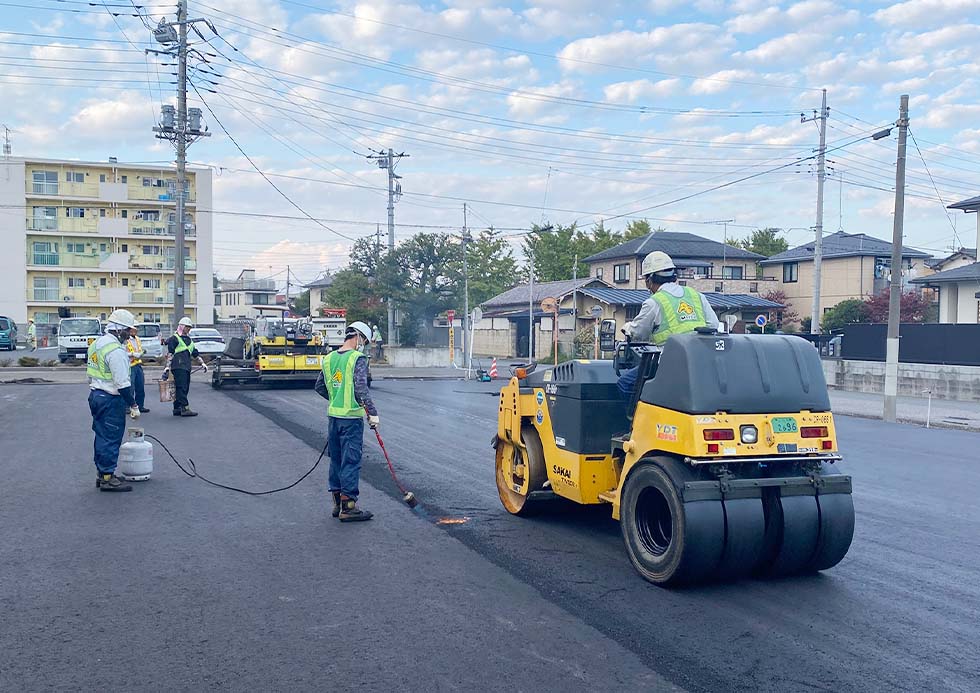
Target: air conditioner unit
{"type": "Point", "coordinates": [66, 298]}
{"type": "Point", "coordinates": [159, 265]}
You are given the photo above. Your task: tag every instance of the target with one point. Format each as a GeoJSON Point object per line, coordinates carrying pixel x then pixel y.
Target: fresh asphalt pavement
{"type": "Point", "coordinates": [182, 586]}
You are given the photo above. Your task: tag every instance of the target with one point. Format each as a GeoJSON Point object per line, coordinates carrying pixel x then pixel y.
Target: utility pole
{"type": "Point", "coordinates": [386, 160]}
{"type": "Point", "coordinates": [530, 308]}
{"type": "Point", "coordinates": [818, 230]}
{"type": "Point", "coordinates": [895, 288]}
{"type": "Point", "coordinates": [466, 296]}
{"type": "Point", "coordinates": [287, 287]}
{"type": "Point", "coordinates": [574, 306]}
{"type": "Point", "coordinates": [6, 142]}
{"type": "Point", "coordinates": [181, 131]}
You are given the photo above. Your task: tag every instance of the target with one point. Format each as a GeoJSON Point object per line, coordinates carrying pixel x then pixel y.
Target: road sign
{"type": "Point", "coordinates": [596, 311]}
{"type": "Point", "coordinates": [549, 305]}
{"type": "Point", "coordinates": [761, 320]}
{"type": "Point", "coordinates": [450, 316]}
{"type": "Point", "coordinates": [477, 315]}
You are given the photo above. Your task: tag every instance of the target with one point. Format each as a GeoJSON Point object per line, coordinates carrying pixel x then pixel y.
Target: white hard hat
{"type": "Point", "coordinates": [122, 318]}
{"type": "Point", "coordinates": [656, 262]}
{"type": "Point", "coordinates": [358, 326]}
{"type": "Point", "coordinates": [186, 321]}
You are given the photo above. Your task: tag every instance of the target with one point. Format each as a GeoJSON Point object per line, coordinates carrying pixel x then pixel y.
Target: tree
{"type": "Point", "coordinates": [848, 312]}
{"type": "Point", "coordinates": [764, 242]}
{"type": "Point", "coordinates": [787, 314]}
{"type": "Point", "coordinates": [636, 228]}
{"type": "Point", "coordinates": [352, 290]}
{"type": "Point", "coordinates": [492, 268]}
{"type": "Point", "coordinates": [301, 303]}
{"type": "Point", "coordinates": [552, 251]}
{"type": "Point", "coordinates": [913, 307]}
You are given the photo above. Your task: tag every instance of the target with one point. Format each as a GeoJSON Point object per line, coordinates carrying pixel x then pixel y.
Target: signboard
{"type": "Point", "coordinates": [761, 320]}
{"type": "Point", "coordinates": [452, 344]}
{"type": "Point", "coordinates": [450, 316]}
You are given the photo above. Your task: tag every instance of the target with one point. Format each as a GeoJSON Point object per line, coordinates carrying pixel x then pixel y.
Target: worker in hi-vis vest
{"type": "Point", "coordinates": [671, 309]}
{"type": "Point", "coordinates": [110, 396]}
{"type": "Point", "coordinates": [344, 382]}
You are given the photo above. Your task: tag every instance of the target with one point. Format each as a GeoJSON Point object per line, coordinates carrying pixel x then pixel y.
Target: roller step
{"type": "Point", "coordinates": [608, 496]}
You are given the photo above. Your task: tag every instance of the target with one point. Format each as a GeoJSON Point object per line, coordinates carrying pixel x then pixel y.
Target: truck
{"type": "Point", "coordinates": [331, 326]}
{"type": "Point", "coordinates": [74, 336]}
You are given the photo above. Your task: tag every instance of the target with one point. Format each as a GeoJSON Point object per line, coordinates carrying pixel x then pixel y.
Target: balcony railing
{"type": "Point", "coordinates": [164, 263]}
{"type": "Point", "coordinates": [167, 230]}
{"type": "Point", "coordinates": [45, 188]}
{"type": "Point", "coordinates": [68, 259]}
{"type": "Point", "coordinates": [42, 224]}
{"type": "Point", "coordinates": [45, 259]}
{"type": "Point", "coordinates": [65, 295]}
{"type": "Point", "coordinates": [47, 294]}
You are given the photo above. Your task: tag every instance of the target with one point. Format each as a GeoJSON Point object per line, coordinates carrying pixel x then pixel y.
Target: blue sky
{"type": "Point", "coordinates": [558, 110]}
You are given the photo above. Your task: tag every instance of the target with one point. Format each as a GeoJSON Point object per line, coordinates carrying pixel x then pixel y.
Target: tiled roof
{"type": "Point", "coordinates": [724, 302]}
{"type": "Point", "coordinates": [966, 273]}
{"type": "Point", "coordinates": [676, 244]}
{"type": "Point", "coordinates": [842, 244]}
{"type": "Point", "coordinates": [970, 205]}
{"type": "Point", "coordinates": [542, 290]}
{"type": "Point", "coordinates": [320, 283]}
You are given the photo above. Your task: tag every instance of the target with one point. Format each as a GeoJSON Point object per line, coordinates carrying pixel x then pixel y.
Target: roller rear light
{"type": "Point", "coordinates": [719, 434]}
{"type": "Point", "coordinates": [813, 432]}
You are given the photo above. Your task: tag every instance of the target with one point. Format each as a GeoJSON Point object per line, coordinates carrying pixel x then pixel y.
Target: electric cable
{"type": "Point", "coordinates": [192, 472]}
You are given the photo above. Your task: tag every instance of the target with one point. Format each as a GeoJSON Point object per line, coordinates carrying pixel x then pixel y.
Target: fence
{"type": "Point", "coordinates": [957, 345]}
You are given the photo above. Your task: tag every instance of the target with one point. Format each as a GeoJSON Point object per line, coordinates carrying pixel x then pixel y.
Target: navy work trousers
{"type": "Point", "coordinates": [138, 381]}
{"type": "Point", "coordinates": [109, 424]}
{"type": "Point", "coordinates": [627, 383]}
{"type": "Point", "coordinates": [182, 385]}
{"type": "Point", "coordinates": [346, 438]}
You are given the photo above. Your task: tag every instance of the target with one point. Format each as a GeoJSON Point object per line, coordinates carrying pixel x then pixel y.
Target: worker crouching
{"type": "Point", "coordinates": [110, 395]}
{"type": "Point", "coordinates": [343, 382]}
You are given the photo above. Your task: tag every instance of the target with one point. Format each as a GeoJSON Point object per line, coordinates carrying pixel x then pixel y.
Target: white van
{"type": "Point", "coordinates": [74, 336]}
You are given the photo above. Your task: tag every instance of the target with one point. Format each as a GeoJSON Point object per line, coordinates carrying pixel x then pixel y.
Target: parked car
{"type": "Point", "coordinates": [74, 336]}
{"type": "Point", "coordinates": [208, 340]}
{"type": "Point", "coordinates": [151, 337]}
{"type": "Point", "coordinates": [8, 334]}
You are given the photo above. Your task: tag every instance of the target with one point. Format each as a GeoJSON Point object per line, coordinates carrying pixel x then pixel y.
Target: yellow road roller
{"type": "Point", "coordinates": [719, 465]}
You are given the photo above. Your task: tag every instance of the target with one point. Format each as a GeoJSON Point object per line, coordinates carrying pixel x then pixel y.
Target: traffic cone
{"type": "Point", "coordinates": [493, 368]}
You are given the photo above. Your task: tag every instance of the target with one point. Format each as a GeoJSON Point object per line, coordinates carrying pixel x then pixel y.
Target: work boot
{"type": "Point", "coordinates": [111, 482]}
{"type": "Point", "coordinates": [349, 512]}
{"type": "Point", "coordinates": [98, 478]}
{"type": "Point", "coordinates": [188, 412]}
{"type": "Point", "coordinates": [177, 412]}
{"type": "Point", "coordinates": [144, 410]}
{"type": "Point", "coordinates": [336, 504]}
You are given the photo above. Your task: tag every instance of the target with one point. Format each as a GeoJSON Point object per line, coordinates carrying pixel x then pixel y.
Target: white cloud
{"type": "Point", "coordinates": [951, 115]}
{"type": "Point", "coordinates": [531, 101]}
{"type": "Point", "coordinates": [916, 13]}
{"type": "Point", "coordinates": [792, 46]}
{"type": "Point", "coordinates": [721, 81]}
{"type": "Point", "coordinates": [665, 45]}
{"type": "Point", "coordinates": [640, 89]}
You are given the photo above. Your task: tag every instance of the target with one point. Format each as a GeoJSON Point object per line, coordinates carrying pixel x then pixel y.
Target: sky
{"type": "Point", "coordinates": [543, 111]}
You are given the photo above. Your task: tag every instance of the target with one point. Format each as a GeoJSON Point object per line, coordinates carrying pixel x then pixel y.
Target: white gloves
{"type": "Point", "coordinates": [134, 412]}
{"type": "Point", "coordinates": [203, 365]}
{"type": "Point", "coordinates": [166, 374]}
{"type": "Point", "coordinates": [374, 421]}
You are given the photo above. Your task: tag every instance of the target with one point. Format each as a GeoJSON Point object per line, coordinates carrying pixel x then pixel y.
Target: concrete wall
{"type": "Point", "coordinates": [495, 342]}
{"type": "Point", "coordinates": [960, 383]}
{"type": "Point", "coordinates": [13, 232]}
{"type": "Point", "coordinates": [409, 357]}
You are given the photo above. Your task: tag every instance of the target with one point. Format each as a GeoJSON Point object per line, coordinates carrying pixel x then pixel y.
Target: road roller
{"type": "Point", "coordinates": [721, 464]}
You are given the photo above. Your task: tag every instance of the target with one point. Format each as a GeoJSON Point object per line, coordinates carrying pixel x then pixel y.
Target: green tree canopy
{"type": "Point", "coordinates": [353, 290]}
{"type": "Point", "coordinates": [853, 310]}
{"type": "Point", "coordinates": [764, 241]}
{"type": "Point", "coordinates": [492, 268]}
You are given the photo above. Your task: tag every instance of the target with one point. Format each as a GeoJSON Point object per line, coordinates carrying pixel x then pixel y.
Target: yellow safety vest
{"type": "Point", "coordinates": [338, 376]}
{"type": "Point", "coordinates": [134, 352]}
{"type": "Point", "coordinates": [182, 345]}
{"type": "Point", "coordinates": [678, 315]}
{"type": "Point", "coordinates": [98, 361]}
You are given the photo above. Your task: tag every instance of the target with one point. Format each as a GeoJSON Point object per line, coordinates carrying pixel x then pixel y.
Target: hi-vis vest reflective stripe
{"type": "Point", "coordinates": [181, 344]}
{"type": "Point", "coordinates": [134, 359]}
{"type": "Point", "coordinates": [98, 361]}
{"type": "Point", "coordinates": [338, 376]}
{"type": "Point", "coordinates": [678, 315]}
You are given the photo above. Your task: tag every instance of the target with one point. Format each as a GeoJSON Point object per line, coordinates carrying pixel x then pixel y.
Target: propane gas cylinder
{"type": "Point", "coordinates": [135, 456]}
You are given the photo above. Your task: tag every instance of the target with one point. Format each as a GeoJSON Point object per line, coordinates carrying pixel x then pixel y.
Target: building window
{"type": "Point", "coordinates": [75, 212]}
{"type": "Point", "coordinates": [125, 213]}
{"type": "Point", "coordinates": [151, 317]}
{"type": "Point", "coordinates": [753, 287]}
{"type": "Point", "coordinates": [323, 295]}
{"type": "Point", "coordinates": [125, 281]}
{"type": "Point", "coordinates": [75, 247]}
{"type": "Point", "coordinates": [791, 272]}
{"type": "Point", "coordinates": [621, 273]}
{"type": "Point", "coordinates": [719, 288]}
{"type": "Point", "coordinates": [102, 213]}
{"type": "Point", "coordinates": [46, 289]}
{"type": "Point", "coordinates": [124, 179]}
{"type": "Point", "coordinates": [45, 182]}
{"type": "Point", "coordinates": [151, 250]}
{"type": "Point", "coordinates": [103, 281]}
{"type": "Point", "coordinates": [74, 177]}
{"type": "Point", "coordinates": [731, 272]}
{"type": "Point", "coordinates": [151, 283]}
{"type": "Point", "coordinates": [103, 247]}
{"type": "Point", "coordinates": [45, 219]}
{"type": "Point", "coordinates": [76, 282]}
{"type": "Point", "coordinates": [102, 178]}
{"type": "Point", "coordinates": [632, 312]}
{"type": "Point", "coordinates": [124, 248]}
{"type": "Point", "coordinates": [598, 273]}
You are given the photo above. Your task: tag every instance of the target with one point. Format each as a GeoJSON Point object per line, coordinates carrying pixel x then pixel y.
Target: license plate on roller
{"type": "Point", "coordinates": [80, 356]}
{"type": "Point", "coordinates": [784, 424]}
{"type": "Point", "coordinates": [312, 360]}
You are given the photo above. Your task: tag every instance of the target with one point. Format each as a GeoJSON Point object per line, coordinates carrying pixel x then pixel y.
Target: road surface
{"type": "Point", "coordinates": [901, 612]}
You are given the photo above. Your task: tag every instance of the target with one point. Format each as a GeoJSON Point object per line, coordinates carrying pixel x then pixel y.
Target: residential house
{"type": "Point", "coordinates": [507, 317]}
{"type": "Point", "coordinates": [854, 265]}
{"type": "Point", "coordinates": [706, 265]}
{"type": "Point", "coordinates": [96, 236]}
{"type": "Point", "coordinates": [243, 297]}
{"type": "Point", "coordinates": [318, 293]}
{"type": "Point", "coordinates": [958, 280]}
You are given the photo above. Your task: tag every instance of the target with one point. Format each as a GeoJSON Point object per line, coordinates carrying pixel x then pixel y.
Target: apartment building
{"type": "Point", "coordinates": [85, 238]}
{"type": "Point", "coordinates": [243, 297]}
